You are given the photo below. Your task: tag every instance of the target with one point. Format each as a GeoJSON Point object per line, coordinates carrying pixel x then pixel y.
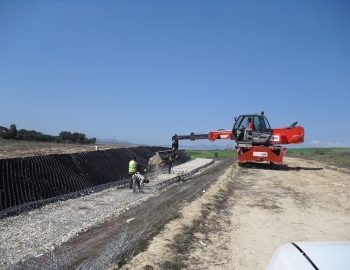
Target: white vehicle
{"type": "Point", "coordinates": [311, 256]}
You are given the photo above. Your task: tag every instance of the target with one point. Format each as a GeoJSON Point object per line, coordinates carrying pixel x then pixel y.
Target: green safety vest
{"type": "Point", "coordinates": [132, 166]}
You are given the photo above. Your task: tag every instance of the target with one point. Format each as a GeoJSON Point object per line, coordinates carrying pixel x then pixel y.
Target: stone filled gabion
{"type": "Point", "coordinates": [31, 182]}
{"type": "Point", "coordinates": [35, 232]}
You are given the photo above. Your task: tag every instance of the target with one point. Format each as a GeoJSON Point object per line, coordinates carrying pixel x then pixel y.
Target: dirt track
{"type": "Point", "coordinates": [300, 201]}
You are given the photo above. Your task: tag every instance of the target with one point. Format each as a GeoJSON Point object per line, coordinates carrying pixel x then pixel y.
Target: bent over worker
{"type": "Point", "coordinates": [138, 179]}
{"type": "Point", "coordinates": [132, 170]}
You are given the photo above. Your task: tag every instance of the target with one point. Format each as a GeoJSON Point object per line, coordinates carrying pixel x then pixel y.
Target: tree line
{"type": "Point", "coordinates": [32, 135]}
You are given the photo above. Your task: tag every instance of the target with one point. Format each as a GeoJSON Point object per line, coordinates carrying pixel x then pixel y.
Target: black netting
{"type": "Point", "coordinates": [33, 181]}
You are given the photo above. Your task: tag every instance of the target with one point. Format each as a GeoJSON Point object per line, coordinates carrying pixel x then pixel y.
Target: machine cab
{"type": "Point", "coordinates": [259, 134]}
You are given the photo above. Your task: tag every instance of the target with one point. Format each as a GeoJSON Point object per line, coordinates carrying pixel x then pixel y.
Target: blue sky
{"type": "Point", "coordinates": [142, 71]}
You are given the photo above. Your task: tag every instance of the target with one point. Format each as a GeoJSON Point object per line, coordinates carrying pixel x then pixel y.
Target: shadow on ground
{"type": "Point", "coordinates": [283, 167]}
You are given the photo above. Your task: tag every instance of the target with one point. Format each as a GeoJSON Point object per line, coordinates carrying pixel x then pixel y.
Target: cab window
{"type": "Point", "coordinates": [256, 124]}
{"type": "Point", "coordinates": [242, 122]}
{"type": "Point", "coordinates": [261, 124]}
{"type": "Point", "coordinates": [239, 123]}
{"type": "Point", "coordinates": [265, 123]}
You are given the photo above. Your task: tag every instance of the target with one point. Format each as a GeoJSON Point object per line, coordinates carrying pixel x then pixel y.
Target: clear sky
{"type": "Point", "coordinates": [142, 71]}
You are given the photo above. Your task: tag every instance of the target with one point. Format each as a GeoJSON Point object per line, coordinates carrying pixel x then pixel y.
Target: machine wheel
{"type": "Point", "coordinates": [241, 164]}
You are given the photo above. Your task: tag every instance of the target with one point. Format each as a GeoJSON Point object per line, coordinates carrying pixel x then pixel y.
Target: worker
{"type": "Point", "coordinates": [138, 167]}
{"type": "Point", "coordinates": [138, 179]}
{"type": "Point", "coordinates": [132, 170]}
{"type": "Point", "coordinates": [139, 171]}
{"type": "Point", "coordinates": [248, 129]}
{"type": "Point", "coordinates": [250, 123]}
{"type": "Point", "coordinates": [168, 163]}
{"type": "Point", "coordinates": [170, 159]}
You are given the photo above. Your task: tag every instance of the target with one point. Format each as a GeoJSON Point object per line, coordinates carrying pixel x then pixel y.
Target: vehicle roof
{"type": "Point", "coordinates": [324, 255]}
{"type": "Point", "coordinates": [253, 114]}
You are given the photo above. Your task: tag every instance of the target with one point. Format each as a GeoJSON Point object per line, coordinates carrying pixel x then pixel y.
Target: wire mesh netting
{"type": "Point", "coordinates": [47, 261]}
{"type": "Point", "coordinates": [121, 246]}
{"type": "Point", "coordinates": [118, 248]}
{"type": "Point", "coordinates": [26, 183]}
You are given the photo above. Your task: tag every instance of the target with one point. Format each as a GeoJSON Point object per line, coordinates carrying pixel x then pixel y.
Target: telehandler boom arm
{"type": "Point", "coordinates": [211, 136]}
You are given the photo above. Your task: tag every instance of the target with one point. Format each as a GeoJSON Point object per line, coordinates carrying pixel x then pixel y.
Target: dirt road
{"type": "Point", "coordinates": [262, 208]}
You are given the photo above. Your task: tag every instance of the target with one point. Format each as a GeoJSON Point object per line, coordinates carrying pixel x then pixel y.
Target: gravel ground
{"type": "Point", "coordinates": [35, 232]}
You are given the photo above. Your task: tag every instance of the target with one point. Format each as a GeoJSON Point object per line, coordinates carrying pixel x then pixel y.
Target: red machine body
{"type": "Point", "coordinates": [287, 135]}
{"type": "Point", "coordinates": [258, 144]}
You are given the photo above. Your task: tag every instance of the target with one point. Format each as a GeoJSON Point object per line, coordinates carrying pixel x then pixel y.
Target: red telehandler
{"type": "Point", "coordinates": [258, 143]}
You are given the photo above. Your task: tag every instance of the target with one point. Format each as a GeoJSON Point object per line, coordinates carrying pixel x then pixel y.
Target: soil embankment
{"type": "Point", "coordinates": [299, 201]}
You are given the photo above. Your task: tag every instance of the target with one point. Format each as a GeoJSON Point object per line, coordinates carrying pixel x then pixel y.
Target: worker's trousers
{"type": "Point", "coordinates": [130, 179]}
{"type": "Point", "coordinates": [135, 182]}
{"type": "Point", "coordinates": [169, 164]}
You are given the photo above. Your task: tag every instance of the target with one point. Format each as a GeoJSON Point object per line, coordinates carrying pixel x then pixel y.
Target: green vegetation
{"type": "Point", "coordinates": [335, 155]}
{"type": "Point", "coordinates": [31, 135]}
{"type": "Point", "coordinates": [210, 153]}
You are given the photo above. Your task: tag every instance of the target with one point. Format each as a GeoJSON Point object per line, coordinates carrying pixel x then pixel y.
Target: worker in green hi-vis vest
{"type": "Point", "coordinates": [132, 170]}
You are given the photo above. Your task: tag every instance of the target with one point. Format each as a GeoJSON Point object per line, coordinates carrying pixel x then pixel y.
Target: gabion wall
{"type": "Point", "coordinates": [33, 181]}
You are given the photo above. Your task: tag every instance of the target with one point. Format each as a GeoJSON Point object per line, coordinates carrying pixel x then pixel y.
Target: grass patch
{"type": "Point", "coordinates": [333, 155]}
{"type": "Point", "coordinates": [175, 263]}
